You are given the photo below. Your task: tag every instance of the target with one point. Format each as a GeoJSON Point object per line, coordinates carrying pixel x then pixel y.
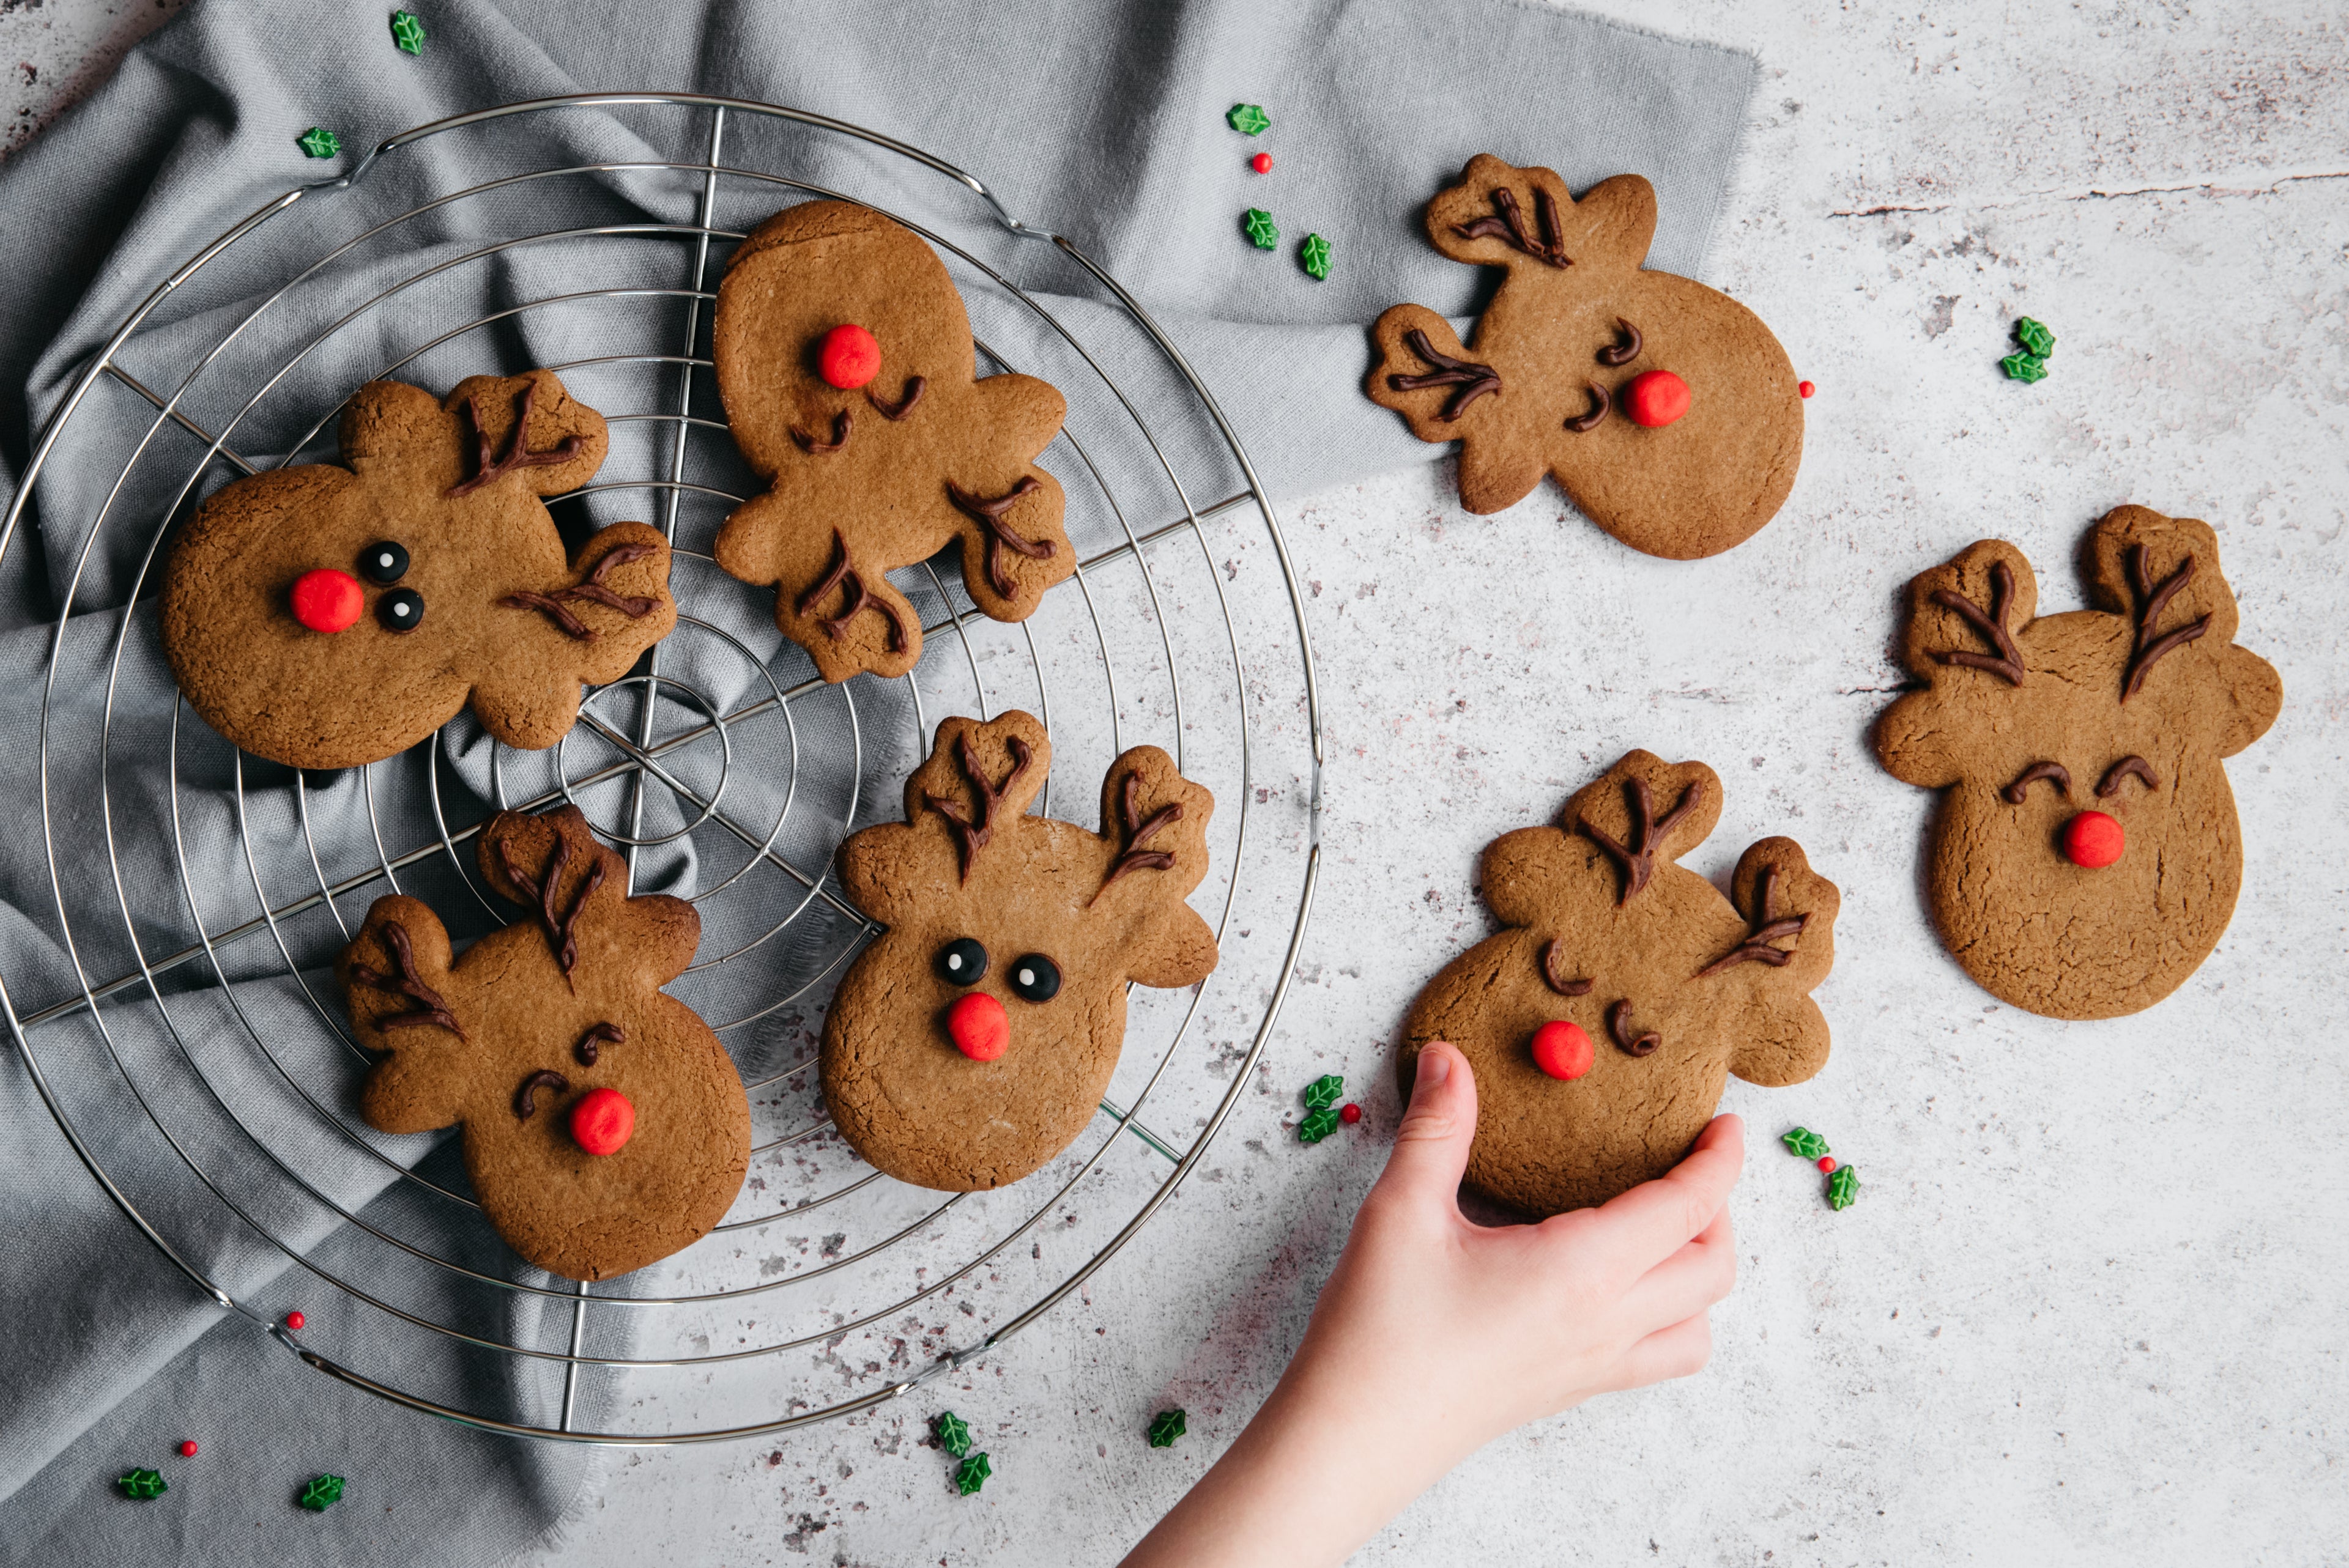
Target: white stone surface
{"type": "Point", "coordinates": [2090, 1306]}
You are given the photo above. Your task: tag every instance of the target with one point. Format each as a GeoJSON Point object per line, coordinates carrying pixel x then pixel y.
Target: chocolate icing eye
{"type": "Point", "coordinates": [962, 962]}
{"type": "Point", "coordinates": [402, 610]}
{"type": "Point", "coordinates": [383, 562]}
{"type": "Point", "coordinates": [1035, 978]}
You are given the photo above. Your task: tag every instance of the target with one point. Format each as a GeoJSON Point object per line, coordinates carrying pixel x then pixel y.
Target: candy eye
{"type": "Point", "coordinates": [383, 562]}
{"type": "Point", "coordinates": [1035, 978]}
{"type": "Point", "coordinates": [962, 962]}
{"type": "Point", "coordinates": [402, 610]}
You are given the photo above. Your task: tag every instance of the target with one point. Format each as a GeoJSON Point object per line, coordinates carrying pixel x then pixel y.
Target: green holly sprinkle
{"type": "Point", "coordinates": [2034, 337]}
{"type": "Point", "coordinates": [1165, 1427]}
{"type": "Point", "coordinates": [322, 1493]}
{"type": "Point", "coordinates": [972, 1474]}
{"type": "Point", "coordinates": [1843, 1187]}
{"type": "Point", "coordinates": [1318, 1126]}
{"type": "Point", "coordinates": [1248, 118]}
{"type": "Point", "coordinates": [319, 142]}
{"type": "Point", "coordinates": [2025, 367]}
{"type": "Point", "coordinates": [1315, 256]}
{"type": "Point", "coordinates": [408, 32]}
{"type": "Point", "coordinates": [1805, 1142]}
{"type": "Point", "coordinates": [143, 1484]}
{"type": "Point", "coordinates": [1260, 229]}
{"type": "Point", "coordinates": [954, 1434]}
{"type": "Point", "coordinates": [1324, 1091]}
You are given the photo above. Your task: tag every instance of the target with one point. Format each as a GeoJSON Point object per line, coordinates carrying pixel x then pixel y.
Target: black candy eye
{"type": "Point", "coordinates": [383, 562]}
{"type": "Point", "coordinates": [402, 610]}
{"type": "Point", "coordinates": [962, 962]}
{"type": "Point", "coordinates": [1035, 978]}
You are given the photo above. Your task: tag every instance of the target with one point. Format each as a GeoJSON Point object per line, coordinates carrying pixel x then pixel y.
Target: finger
{"type": "Point", "coordinates": [1679, 1351]}
{"type": "Point", "coordinates": [1692, 1279]}
{"type": "Point", "coordinates": [1656, 1219]}
{"type": "Point", "coordinates": [1431, 1148]}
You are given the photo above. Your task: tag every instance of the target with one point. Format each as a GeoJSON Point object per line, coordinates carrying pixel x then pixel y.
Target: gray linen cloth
{"type": "Point", "coordinates": [1100, 121]}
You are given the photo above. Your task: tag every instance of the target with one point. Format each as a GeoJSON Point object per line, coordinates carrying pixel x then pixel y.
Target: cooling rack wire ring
{"type": "Point", "coordinates": [643, 761]}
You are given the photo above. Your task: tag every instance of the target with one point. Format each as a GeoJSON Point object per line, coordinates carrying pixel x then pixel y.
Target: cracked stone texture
{"type": "Point", "coordinates": [2089, 1307]}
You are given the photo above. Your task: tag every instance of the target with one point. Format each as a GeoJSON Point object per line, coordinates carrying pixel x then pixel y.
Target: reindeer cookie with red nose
{"type": "Point", "coordinates": [972, 1041]}
{"type": "Point", "coordinates": [331, 616]}
{"type": "Point", "coordinates": [1604, 1022]}
{"type": "Point", "coordinates": [846, 364]}
{"type": "Point", "coordinates": [605, 1126]}
{"type": "Point", "coordinates": [1667, 411]}
{"type": "Point", "coordinates": [2087, 854]}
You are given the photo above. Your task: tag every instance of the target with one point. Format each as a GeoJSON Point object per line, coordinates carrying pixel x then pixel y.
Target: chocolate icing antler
{"type": "Point", "coordinates": [1138, 833]}
{"type": "Point", "coordinates": [488, 468]}
{"type": "Point", "coordinates": [633, 606]}
{"type": "Point", "coordinates": [840, 425]}
{"type": "Point", "coordinates": [972, 834]}
{"type": "Point", "coordinates": [1756, 947]}
{"type": "Point", "coordinates": [2151, 603]}
{"type": "Point", "coordinates": [1550, 975]}
{"type": "Point", "coordinates": [856, 598]}
{"type": "Point", "coordinates": [1618, 1024]}
{"type": "Point", "coordinates": [915, 385]}
{"type": "Point", "coordinates": [988, 515]}
{"type": "Point", "coordinates": [430, 1008]}
{"type": "Point", "coordinates": [561, 929]}
{"type": "Point", "coordinates": [2019, 791]}
{"type": "Point", "coordinates": [2127, 768]}
{"type": "Point", "coordinates": [1511, 226]}
{"type": "Point", "coordinates": [1638, 857]}
{"type": "Point", "coordinates": [2008, 665]}
{"type": "Point", "coordinates": [1473, 379]}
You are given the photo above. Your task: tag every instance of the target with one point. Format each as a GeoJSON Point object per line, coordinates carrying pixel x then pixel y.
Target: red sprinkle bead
{"type": "Point", "coordinates": [1806, 388]}
{"type": "Point", "coordinates": [188, 1449]}
{"type": "Point", "coordinates": [1655, 399]}
{"type": "Point", "coordinates": [849, 358]}
{"type": "Point", "coordinates": [978, 1027]}
{"type": "Point", "coordinates": [1261, 163]}
{"type": "Point", "coordinates": [326, 600]}
{"type": "Point", "coordinates": [1827, 1163]}
{"type": "Point", "coordinates": [295, 1320]}
{"type": "Point", "coordinates": [2093, 840]}
{"type": "Point", "coordinates": [1563, 1050]}
{"type": "Point", "coordinates": [603, 1122]}
{"type": "Point", "coordinates": [1349, 1114]}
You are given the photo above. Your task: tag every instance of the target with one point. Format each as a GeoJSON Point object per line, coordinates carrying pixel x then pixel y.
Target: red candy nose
{"type": "Point", "coordinates": [602, 1120]}
{"type": "Point", "coordinates": [979, 1028]}
{"type": "Point", "coordinates": [2093, 840]}
{"type": "Point", "coordinates": [1657, 397]}
{"type": "Point", "coordinates": [1563, 1050]}
{"type": "Point", "coordinates": [327, 600]}
{"type": "Point", "coordinates": [849, 358]}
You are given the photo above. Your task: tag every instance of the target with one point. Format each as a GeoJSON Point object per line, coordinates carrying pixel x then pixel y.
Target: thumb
{"type": "Point", "coordinates": [1432, 1146]}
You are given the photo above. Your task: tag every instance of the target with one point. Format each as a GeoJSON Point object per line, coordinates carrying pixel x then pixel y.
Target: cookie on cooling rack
{"type": "Point", "coordinates": [1667, 411]}
{"type": "Point", "coordinates": [972, 1041]}
{"type": "Point", "coordinates": [330, 615]}
{"type": "Point", "coordinates": [605, 1126]}
{"type": "Point", "coordinates": [1605, 1021]}
{"type": "Point", "coordinates": [845, 361]}
{"type": "Point", "coordinates": [2087, 854]}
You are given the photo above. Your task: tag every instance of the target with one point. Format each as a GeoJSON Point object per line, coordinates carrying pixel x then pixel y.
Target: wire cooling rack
{"type": "Point", "coordinates": [190, 1042]}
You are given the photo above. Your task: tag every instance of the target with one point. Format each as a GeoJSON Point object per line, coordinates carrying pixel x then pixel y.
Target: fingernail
{"type": "Point", "coordinates": [1435, 1067]}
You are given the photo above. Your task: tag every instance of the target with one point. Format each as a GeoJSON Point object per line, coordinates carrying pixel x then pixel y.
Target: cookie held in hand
{"type": "Point", "coordinates": [2085, 854]}
{"type": "Point", "coordinates": [1605, 1021]}
{"type": "Point", "coordinates": [605, 1126]}
{"type": "Point", "coordinates": [330, 615]}
{"type": "Point", "coordinates": [972, 1041]}
{"type": "Point", "coordinates": [1666, 410]}
{"type": "Point", "coordinates": [846, 364]}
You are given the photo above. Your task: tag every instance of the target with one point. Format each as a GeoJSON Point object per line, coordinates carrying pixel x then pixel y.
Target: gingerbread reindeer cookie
{"type": "Point", "coordinates": [605, 1126]}
{"type": "Point", "coordinates": [1666, 410]}
{"type": "Point", "coordinates": [1604, 1020]}
{"type": "Point", "coordinates": [846, 364]}
{"type": "Point", "coordinates": [2085, 854]}
{"type": "Point", "coordinates": [330, 615]}
{"type": "Point", "coordinates": [972, 1041]}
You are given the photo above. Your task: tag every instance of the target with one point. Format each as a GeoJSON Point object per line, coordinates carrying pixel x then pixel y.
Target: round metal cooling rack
{"type": "Point", "coordinates": [189, 1039]}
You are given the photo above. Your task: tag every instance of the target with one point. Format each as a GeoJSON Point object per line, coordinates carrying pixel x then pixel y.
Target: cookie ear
{"type": "Point", "coordinates": [1783, 1039]}
{"type": "Point", "coordinates": [1916, 745]}
{"type": "Point", "coordinates": [977, 777]}
{"type": "Point", "coordinates": [395, 975]}
{"type": "Point", "coordinates": [2254, 697]}
{"type": "Point", "coordinates": [1179, 951]}
{"type": "Point", "coordinates": [1528, 875]}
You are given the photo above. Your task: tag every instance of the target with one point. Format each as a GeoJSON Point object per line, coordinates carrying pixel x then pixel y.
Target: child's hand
{"type": "Point", "coordinates": [1440, 1336]}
